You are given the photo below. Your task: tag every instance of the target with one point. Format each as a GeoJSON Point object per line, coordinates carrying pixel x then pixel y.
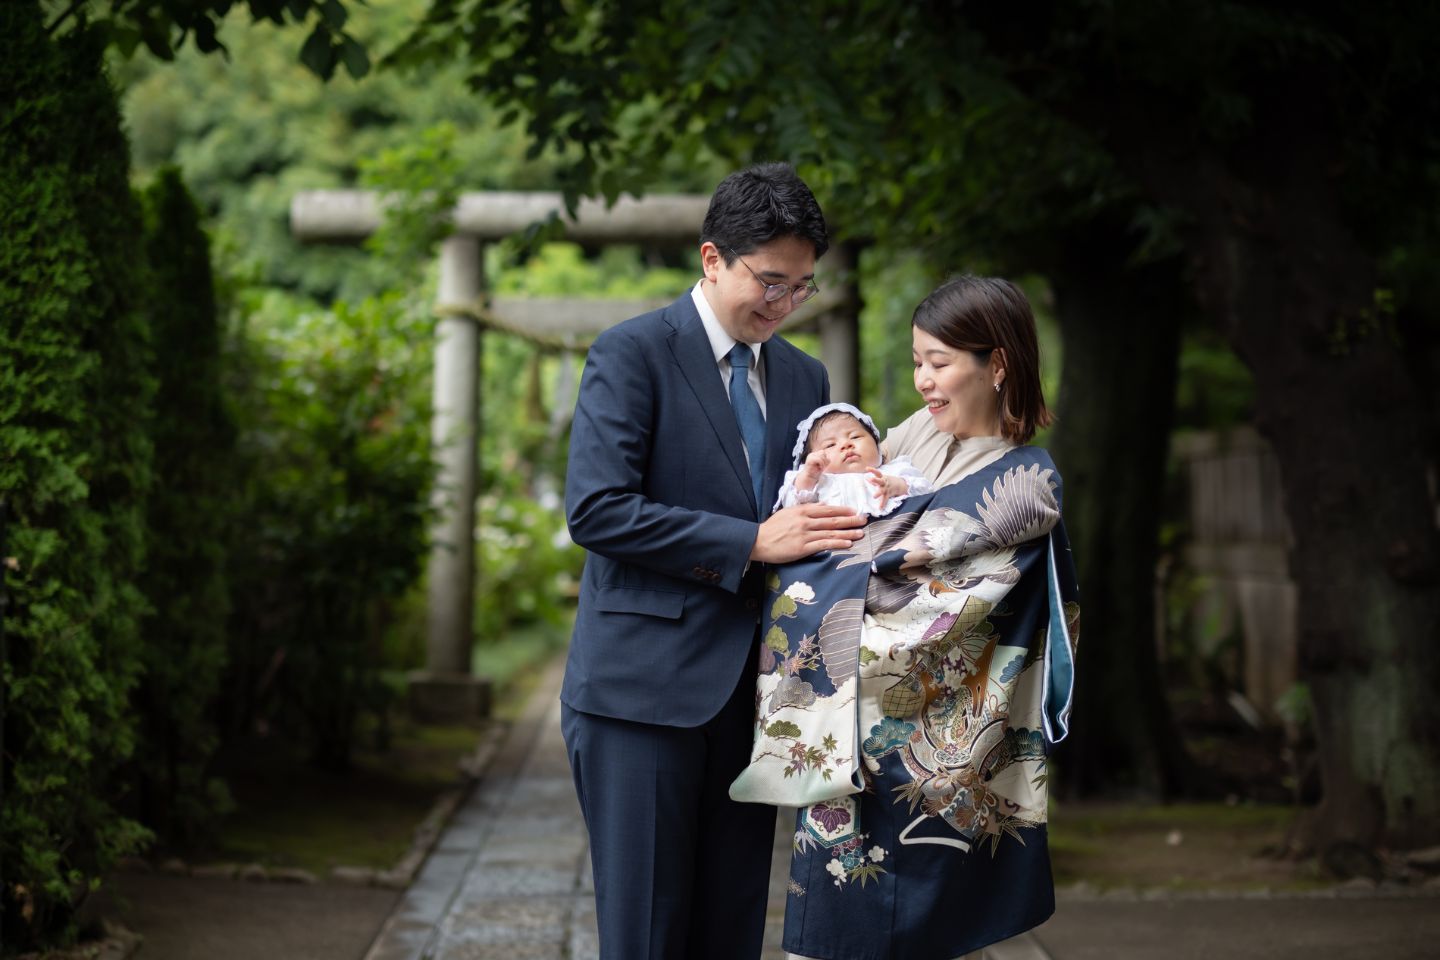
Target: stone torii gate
{"type": "Point", "coordinates": [446, 688]}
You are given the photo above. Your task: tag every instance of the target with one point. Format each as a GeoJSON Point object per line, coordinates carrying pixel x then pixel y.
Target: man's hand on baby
{"type": "Point", "coordinates": [796, 532]}
{"type": "Point", "coordinates": [888, 486]}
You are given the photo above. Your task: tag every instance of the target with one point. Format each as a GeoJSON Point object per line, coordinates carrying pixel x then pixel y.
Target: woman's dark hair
{"type": "Point", "coordinates": [753, 206]}
{"type": "Point", "coordinates": [981, 314]}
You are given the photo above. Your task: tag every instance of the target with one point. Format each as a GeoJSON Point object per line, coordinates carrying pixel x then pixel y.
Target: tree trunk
{"type": "Point", "coordinates": [1278, 266]}
{"type": "Point", "coordinates": [1335, 398]}
{"type": "Point", "coordinates": [1121, 335]}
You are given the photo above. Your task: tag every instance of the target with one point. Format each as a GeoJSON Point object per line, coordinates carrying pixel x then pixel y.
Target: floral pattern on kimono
{"type": "Point", "coordinates": [923, 676]}
{"type": "Point", "coordinates": [805, 747]}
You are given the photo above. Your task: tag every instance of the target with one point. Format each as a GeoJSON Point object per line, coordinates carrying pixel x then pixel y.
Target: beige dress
{"type": "Point", "coordinates": [938, 455]}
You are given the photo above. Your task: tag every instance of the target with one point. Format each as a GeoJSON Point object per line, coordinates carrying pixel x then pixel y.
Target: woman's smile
{"type": "Point", "coordinates": [957, 387]}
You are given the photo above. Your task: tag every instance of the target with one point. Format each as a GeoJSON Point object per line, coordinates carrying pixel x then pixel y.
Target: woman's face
{"type": "Point", "coordinates": [959, 390]}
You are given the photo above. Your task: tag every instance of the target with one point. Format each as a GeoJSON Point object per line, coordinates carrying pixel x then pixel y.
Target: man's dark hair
{"type": "Point", "coordinates": [762, 203]}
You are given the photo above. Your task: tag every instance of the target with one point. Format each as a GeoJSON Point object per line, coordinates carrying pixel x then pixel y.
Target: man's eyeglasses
{"type": "Point", "coordinates": [798, 293]}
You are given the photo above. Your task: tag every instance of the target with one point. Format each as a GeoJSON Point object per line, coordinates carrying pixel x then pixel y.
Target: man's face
{"type": "Point", "coordinates": [738, 298]}
{"type": "Point", "coordinates": [846, 445]}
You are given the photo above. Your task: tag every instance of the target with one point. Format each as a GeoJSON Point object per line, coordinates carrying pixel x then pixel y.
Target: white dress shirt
{"type": "Point", "coordinates": [721, 343]}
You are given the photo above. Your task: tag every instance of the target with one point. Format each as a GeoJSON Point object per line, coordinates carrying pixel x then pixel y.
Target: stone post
{"type": "Point", "coordinates": [445, 689]}
{"type": "Point", "coordinates": [840, 325]}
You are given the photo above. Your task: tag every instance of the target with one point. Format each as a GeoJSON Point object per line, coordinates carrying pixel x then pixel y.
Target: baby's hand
{"type": "Point", "coordinates": [811, 472]}
{"type": "Point", "coordinates": [887, 485]}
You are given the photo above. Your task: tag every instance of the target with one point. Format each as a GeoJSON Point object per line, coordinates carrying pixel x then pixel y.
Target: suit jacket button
{"type": "Point", "coordinates": [752, 604]}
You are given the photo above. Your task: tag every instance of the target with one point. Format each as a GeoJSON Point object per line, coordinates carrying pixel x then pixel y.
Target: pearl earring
{"type": "Point", "coordinates": [997, 386]}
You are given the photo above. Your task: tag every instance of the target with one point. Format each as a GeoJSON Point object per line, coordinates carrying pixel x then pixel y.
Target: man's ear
{"type": "Point", "coordinates": [711, 260]}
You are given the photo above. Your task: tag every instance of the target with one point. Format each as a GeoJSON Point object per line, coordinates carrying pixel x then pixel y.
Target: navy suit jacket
{"type": "Point", "coordinates": [659, 493]}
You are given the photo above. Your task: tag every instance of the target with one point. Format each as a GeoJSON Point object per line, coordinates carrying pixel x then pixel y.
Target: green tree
{"type": "Point", "coordinates": [250, 133]}
{"type": "Point", "coordinates": [191, 520]}
{"type": "Point", "coordinates": [1258, 128]}
{"type": "Point", "coordinates": [1280, 152]}
{"type": "Point", "coordinates": [880, 112]}
{"type": "Point", "coordinates": [253, 130]}
{"type": "Point", "coordinates": [1116, 403]}
{"type": "Point", "coordinates": [334, 448]}
{"type": "Point", "coordinates": [75, 460]}
{"type": "Point", "coordinates": [164, 26]}
{"type": "Point", "coordinates": [76, 401]}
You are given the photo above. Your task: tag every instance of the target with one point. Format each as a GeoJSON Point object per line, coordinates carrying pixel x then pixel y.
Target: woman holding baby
{"type": "Point", "coordinates": [912, 686]}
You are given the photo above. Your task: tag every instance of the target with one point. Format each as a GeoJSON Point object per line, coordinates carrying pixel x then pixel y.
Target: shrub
{"type": "Point", "coordinates": [334, 417]}
{"type": "Point", "coordinates": [528, 568]}
{"type": "Point", "coordinates": [190, 521]}
{"type": "Point", "coordinates": [74, 466]}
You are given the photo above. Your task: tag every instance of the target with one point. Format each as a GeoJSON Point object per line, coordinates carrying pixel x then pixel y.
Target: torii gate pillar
{"type": "Point", "coordinates": [445, 689]}
{"type": "Point", "coordinates": [839, 326]}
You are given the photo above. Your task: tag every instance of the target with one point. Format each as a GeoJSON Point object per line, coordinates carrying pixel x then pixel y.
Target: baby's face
{"type": "Point", "coordinates": [848, 447]}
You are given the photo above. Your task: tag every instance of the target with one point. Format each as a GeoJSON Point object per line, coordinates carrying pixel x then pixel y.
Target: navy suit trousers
{"type": "Point", "coordinates": [671, 885]}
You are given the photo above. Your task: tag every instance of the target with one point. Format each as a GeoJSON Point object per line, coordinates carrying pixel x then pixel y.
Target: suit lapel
{"type": "Point", "coordinates": [780, 419]}
{"type": "Point", "coordinates": [691, 349]}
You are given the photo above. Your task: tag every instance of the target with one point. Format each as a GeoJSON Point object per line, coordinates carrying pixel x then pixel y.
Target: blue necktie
{"type": "Point", "coordinates": [748, 415]}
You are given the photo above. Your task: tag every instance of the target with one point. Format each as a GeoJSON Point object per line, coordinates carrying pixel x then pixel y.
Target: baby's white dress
{"type": "Point", "coordinates": [854, 490]}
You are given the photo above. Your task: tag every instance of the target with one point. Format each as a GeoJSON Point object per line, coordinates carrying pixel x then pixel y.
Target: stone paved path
{"type": "Point", "coordinates": [510, 880]}
{"type": "Point", "coordinates": [510, 877]}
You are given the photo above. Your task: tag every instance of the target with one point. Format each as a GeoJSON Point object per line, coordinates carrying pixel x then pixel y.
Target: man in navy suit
{"type": "Point", "coordinates": [683, 429]}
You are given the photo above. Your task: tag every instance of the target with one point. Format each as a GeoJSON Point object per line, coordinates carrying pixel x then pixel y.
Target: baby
{"type": "Point", "coordinates": [837, 461]}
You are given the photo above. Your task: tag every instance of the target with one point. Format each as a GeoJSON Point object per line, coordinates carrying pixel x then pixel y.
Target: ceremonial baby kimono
{"type": "Point", "coordinates": [910, 688]}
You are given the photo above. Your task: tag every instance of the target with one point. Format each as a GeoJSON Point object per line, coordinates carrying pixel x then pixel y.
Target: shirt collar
{"type": "Point", "coordinates": [720, 341]}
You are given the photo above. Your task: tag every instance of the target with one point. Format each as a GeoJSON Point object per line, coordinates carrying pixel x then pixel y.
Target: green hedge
{"type": "Point", "coordinates": [174, 561]}
{"type": "Point", "coordinates": [191, 523]}
{"type": "Point", "coordinates": [74, 466]}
